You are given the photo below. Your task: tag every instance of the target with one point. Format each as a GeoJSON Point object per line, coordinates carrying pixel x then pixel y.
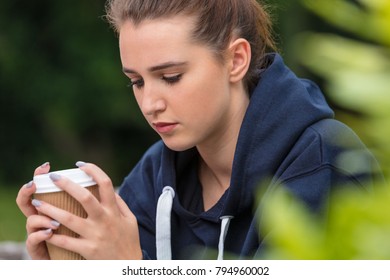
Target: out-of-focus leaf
{"type": "Point", "coordinates": [369, 19]}
{"type": "Point", "coordinates": [356, 227]}
{"type": "Point", "coordinates": [291, 231]}
{"type": "Point", "coordinates": [357, 76]}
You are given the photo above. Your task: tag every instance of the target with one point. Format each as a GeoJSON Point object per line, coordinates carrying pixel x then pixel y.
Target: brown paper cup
{"type": "Point", "coordinates": [50, 193]}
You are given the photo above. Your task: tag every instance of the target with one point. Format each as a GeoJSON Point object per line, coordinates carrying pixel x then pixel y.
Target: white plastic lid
{"type": "Point", "coordinates": [45, 185]}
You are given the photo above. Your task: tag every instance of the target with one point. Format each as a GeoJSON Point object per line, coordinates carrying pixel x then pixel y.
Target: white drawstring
{"type": "Point", "coordinates": [224, 229]}
{"type": "Point", "coordinates": [163, 224]}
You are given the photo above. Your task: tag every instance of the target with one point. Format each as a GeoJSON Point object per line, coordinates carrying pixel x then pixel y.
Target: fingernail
{"type": "Point", "coordinates": [45, 164]}
{"type": "Point", "coordinates": [28, 185]}
{"type": "Point", "coordinates": [80, 163]}
{"type": "Point", "coordinates": [55, 177]}
{"type": "Point", "coordinates": [36, 202]}
{"type": "Point", "coordinates": [55, 223]}
{"type": "Point", "coordinates": [48, 231]}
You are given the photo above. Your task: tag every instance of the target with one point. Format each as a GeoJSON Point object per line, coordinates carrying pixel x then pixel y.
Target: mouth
{"type": "Point", "coordinates": [163, 128]}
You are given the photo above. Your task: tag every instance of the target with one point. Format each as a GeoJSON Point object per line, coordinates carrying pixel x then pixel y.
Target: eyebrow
{"type": "Point", "coordinates": [159, 67]}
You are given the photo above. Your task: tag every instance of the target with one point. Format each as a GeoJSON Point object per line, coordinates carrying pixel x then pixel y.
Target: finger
{"type": "Point", "coordinates": [42, 169]}
{"type": "Point", "coordinates": [23, 199]}
{"type": "Point", "coordinates": [35, 244]}
{"type": "Point", "coordinates": [76, 245]}
{"type": "Point", "coordinates": [38, 222]}
{"type": "Point", "coordinates": [87, 200]}
{"type": "Point", "coordinates": [106, 188]}
{"type": "Point", "coordinates": [63, 217]}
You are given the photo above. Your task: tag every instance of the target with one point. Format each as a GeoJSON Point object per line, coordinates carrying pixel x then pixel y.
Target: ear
{"type": "Point", "coordinates": [240, 58]}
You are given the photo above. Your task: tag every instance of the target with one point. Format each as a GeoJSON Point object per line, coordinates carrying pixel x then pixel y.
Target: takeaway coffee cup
{"type": "Point", "coordinates": [47, 191]}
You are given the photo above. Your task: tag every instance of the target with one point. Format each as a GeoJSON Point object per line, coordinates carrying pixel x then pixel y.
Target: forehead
{"type": "Point", "coordinates": [154, 39]}
{"type": "Point", "coordinates": [178, 22]}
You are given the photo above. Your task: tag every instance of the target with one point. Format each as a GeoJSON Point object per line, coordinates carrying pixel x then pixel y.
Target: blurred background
{"type": "Point", "coordinates": [63, 97]}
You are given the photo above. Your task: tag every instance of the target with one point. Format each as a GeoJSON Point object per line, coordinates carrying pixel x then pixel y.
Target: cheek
{"type": "Point", "coordinates": [204, 102]}
{"type": "Point", "coordinates": [208, 87]}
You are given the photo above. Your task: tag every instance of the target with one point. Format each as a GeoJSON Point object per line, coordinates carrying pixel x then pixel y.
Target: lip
{"type": "Point", "coordinates": [164, 127]}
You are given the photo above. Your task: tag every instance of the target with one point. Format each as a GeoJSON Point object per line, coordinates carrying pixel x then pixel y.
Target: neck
{"type": "Point", "coordinates": [215, 171]}
{"type": "Point", "coordinates": [217, 165]}
{"type": "Point", "coordinates": [214, 183]}
{"type": "Point", "coordinates": [218, 153]}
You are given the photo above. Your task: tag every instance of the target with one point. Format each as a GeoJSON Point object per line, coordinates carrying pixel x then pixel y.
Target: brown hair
{"type": "Point", "coordinates": [217, 22]}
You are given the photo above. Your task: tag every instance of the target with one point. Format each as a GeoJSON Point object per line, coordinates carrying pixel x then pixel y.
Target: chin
{"type": "Point", "coordinates": [176, 146]}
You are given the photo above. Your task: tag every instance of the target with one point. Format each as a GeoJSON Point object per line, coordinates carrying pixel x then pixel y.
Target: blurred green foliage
{"type": "Point", "coordinates": [357, 227]}
{"type": "Point", "coordinates": [12, 221]}
{"type": "Point", "coordinates": [356, 70]}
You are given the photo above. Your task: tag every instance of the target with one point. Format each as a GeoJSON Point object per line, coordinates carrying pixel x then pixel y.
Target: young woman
{"type": "Point", "coordinates": [231, 118]}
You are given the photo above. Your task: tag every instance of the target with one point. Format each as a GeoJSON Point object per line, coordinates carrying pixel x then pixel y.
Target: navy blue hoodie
{"type": "Point", "coordinates": [288, 137]}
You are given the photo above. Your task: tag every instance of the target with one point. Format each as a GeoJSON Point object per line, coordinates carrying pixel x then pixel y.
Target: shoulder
{"type": "Point", "coordinates": [327, 156]}
{"type": "Point", "coordinates": [338, 143]}
{"type": "Point", "coordinates": [336, 133]}
{"type": "Point", "coordinates": [329, 144]}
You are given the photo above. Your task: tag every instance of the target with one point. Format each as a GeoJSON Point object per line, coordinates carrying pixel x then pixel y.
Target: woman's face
{"type": "Point", "coordinates": [180, 87]}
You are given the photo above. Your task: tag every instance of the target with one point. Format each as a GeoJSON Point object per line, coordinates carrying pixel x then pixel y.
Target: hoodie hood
{"type": "Point", "coordinates": [282, 106]}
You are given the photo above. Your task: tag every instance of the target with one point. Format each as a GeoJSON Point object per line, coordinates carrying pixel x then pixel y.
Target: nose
{"type": "Point", "coordinates": [152, 101]}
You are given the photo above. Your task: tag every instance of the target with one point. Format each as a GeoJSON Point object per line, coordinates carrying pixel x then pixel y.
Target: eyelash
{"type": "Point", "coordinates": [138, 83]}
{"type": "Point", "coordinates": [169, 80]}
{"type": "Point", "coordinates": [172, 79]}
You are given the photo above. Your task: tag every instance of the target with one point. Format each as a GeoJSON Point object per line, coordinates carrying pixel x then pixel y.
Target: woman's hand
{"type": "Point", "coordinates": [110, 230]}
{"type": "Point", "coordinates": [39, 228]}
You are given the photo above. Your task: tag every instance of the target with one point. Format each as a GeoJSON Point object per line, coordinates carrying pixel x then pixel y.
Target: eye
{"type": "Point", "coordinates": [137, 83]}
{"type": "Point", "coordinates": [172, 79]}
